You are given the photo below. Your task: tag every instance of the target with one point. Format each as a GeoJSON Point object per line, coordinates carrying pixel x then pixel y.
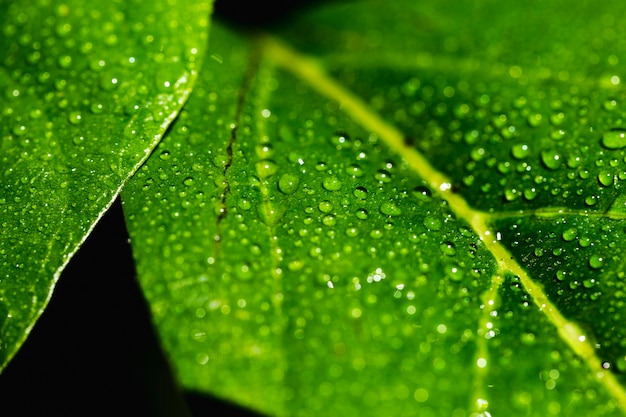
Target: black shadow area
{"type": "Point", "coordinates": [93, 351]}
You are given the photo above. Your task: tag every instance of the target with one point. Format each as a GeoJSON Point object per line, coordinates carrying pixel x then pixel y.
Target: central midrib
{"type": "Point", "coordinates": [312, 73]}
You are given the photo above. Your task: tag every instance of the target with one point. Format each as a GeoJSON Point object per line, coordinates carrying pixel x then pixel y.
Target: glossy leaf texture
{"type": "Point", "coordinates": [87, 90]}
{"type": "Point", "coordinates": [399, 209]}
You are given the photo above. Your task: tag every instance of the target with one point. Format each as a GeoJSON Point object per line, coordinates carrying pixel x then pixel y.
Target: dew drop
{"type": "Point", "coordinates": [596, 261]}
{"type": "Point", "coordinates": [360, 193]}
{"type": "Point", "coordinates": [422, 193]}
{"type": "Point", "coordinates": [569, 234]}
{"type": "Point", "coordinates": [448, 248]}
{"type": "Point", "coordinates": [520, 151]}
{"type": "Point", "coordinates": [383, 176]}
{"type": "Point", "coordinates": [376, 234]}
{"type": "Point", "coordinates": [270, 213]}
{"type": "Point", "coordinates": [352, 231]}
{"type": "Point", "coordinates": [361, 214]}
{"type": "Point", "coordinates": [288, 183]}
{"type": "Point", "coordinates": [325, 206]}
{"type": "Point", "coordinates": [188, 181]}
{"type": "Point", "coordinates": [165, 155]}
{"type": "Point", "coordinates": [432, 223]}
{"type": "Point", "coordinates": [591, 200]}
{"type": "Point", "coordinates": [75, 117]}
{"type": "Point", "coordinates": [551, 159]}
{"type": "Point", "coordinates": [354, 170]}
{"type": "Point", "coordinates": [614, 139]}
{"type": "Point", "coordinates": [266, 168]}
{"type": "Point", "coordinates": [331, 184]}
{"type": "Point", "coordinates": [454, 272]}
{"type": "Point", "coordinates": [605, 178]}
{"type": "Point", "coordinates": [390, 209]}
{"type": "Point", "coordinates": [329, 220]}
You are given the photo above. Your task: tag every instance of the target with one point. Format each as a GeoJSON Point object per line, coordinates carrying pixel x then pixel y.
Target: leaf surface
{"type": "Point", "coordinates": [87, 92]}
{"type": "Point", "coordinates": [397, 209]}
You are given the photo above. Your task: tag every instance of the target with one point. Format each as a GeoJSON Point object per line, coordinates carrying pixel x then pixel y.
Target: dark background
{"type": "Point", "coordinates": [94, 351]}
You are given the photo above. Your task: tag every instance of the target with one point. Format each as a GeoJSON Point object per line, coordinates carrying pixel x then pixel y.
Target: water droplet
{"type": "Point", "coordinates": [331, 184]}
{"type": "Point", "coordinates": [325, 206]}
{"type": "Point", "coordinates": [329, 220]}
{"type": "Point", "coordinates": [422, 193]}
{"type": "Point", "coordinates": [591, 200]}
{"type": "Point", "coordinates": [614, 139]}
{"type": "Point", "coordinates": [551, 159]}
{"type": "Point", "coordinates": [244, 204]}
{"type": "Point", "coordinates": [383, 175]}
{"type": "Point", "coordinates": [432, 223]}
{"type": "Point", "coordinates": [448, 248]}
{"type": "Point", "coordinates": [271, 213]}
{"type": "Point", "coordinates": [188, 181]}
{"type": "Point", "coordinates": [454, 272]}
{"type": "Point", "coordinates": [264, 150]}
{"type": "Point", "coordinates": [520, 151]}
{"type": "Point", "coordinates": [266, 168]}
{"type": "Point", "coordinates": [376, 234]}
{"type": "Point", "coordinates": [596, 261]}
{"type": "Point", "coordinates": [352, 231]}
{"type": "Point", "coordinates": [321, 166]}
{"type": "Point", "coordinates": [165, 155]}
{"type": "Point", "coordinates": [355, 170]}
{"type": "Point", "coordinates": [605, 178]}
{"type": "Point", "coordinates": [75, 117]}
{"type": "Point", "coordinates": [361, 214]}
{"type": "Point", "coordinates": [360, 193]}
{"type": "Point", "coordinates": [561, 275]}
{"type": "Point", "coordinates": [390, 209]}
{"type": "Point", "coordinates": [570, 234]}
{"type": "Point", "coordinates": [288, 183]}
{"type": "Point", "coordinates": [534, 120]}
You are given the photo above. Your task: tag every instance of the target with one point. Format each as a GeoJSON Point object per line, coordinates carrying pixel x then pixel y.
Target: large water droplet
{"type": "Point", "coordinates": [331, 184]}
{"type": "Point", "coordinates": [614, 139]}
{"type": "Point", "coordinates": [454, 272]}
{"type": "Point", "coordinates": [266, 168]}
{"type": "Point", "coordinates": [596, 261]}
{"type": "Point", "coordinates": [288, 183]}
{"type": "Point", "coordinates": [551, 159]}
{"type": "Point", "coordinates": [390, 209]}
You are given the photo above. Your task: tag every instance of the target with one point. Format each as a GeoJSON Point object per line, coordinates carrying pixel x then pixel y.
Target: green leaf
{"type": "Point", "coordinates": [415, 209]}
{"type": "Point", "coordinates": [87, 90]}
